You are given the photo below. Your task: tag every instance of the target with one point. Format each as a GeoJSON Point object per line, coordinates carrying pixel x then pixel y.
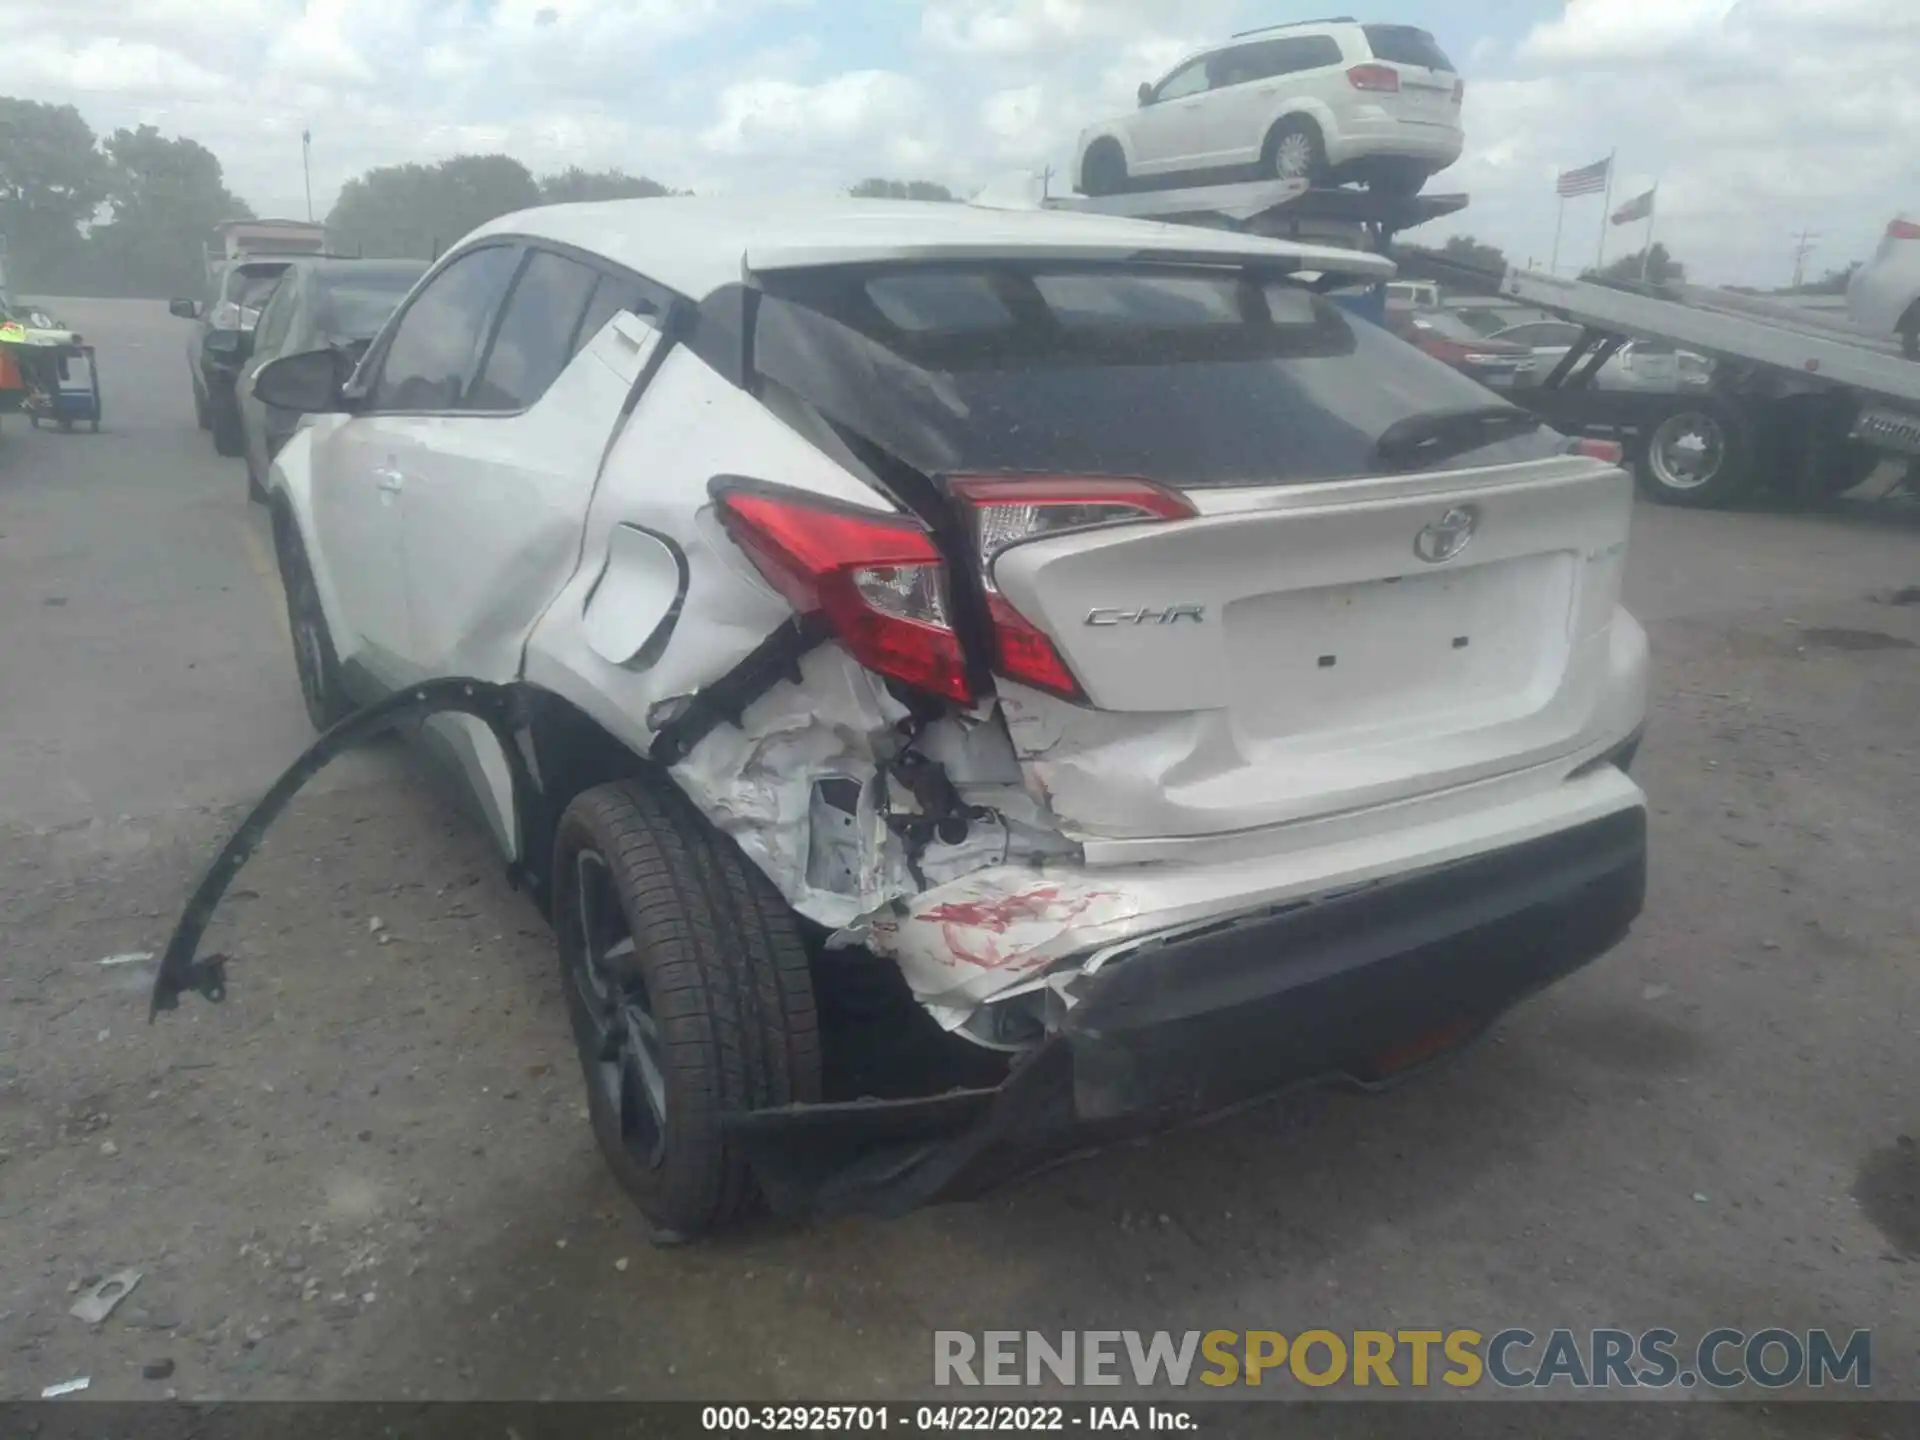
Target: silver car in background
{"type": "Point", "coordinates": [1648, 366]}
{"type": "Point", "coordinates": [336, 305]}
{"type": "Point", "coordinates": [1884, 294]}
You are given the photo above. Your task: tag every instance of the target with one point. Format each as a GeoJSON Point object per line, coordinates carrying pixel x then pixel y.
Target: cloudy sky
{"type": "Point", "coordinates": [1758, 118]}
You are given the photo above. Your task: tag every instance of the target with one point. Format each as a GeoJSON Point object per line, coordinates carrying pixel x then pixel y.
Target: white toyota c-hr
{"type": "Point", "coordinates": [964, 682]}
{"type": "Point", "coordinates": [1324, 101]}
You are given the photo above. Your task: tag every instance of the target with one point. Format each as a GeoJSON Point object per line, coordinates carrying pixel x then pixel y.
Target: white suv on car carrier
{"type": "Point", "coordinates": [961, 682]}
{"type": "Point", "coordinates": [1324, 101]}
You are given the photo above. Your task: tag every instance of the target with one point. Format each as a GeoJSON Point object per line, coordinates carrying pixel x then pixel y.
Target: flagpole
{"type": "Point", "coordinates": [1646, 255]}
{"type": "Point", "coordinates": [1606, 211]}
{"type": "Point", "coordinates": [1558, 225]}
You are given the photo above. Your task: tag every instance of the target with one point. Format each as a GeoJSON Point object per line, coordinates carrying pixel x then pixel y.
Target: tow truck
{"type": "Point", "coordinates": [1798, 404]}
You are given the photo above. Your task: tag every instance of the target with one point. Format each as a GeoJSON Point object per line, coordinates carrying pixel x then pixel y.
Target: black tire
{"type": "Point", "coordinates": [1104, 170]}
{"type": "Point", "coordinates": [314, 659]}
{"type": "Point", "coordinates": [714, 961]}
{"type": "Point", "coordinates": [202, 416]}
{"type": "Point", "coordinates": [1294, 151]}
{"type": "Point", "coordinates": [228, 438]}
{"type": "Point", "coordinates": [1673, 471]}
{"type": "Point", "coordinates": [1909, 331]}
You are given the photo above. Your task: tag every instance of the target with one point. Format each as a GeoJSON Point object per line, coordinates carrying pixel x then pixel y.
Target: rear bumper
{"type": "Point", "coordinates": [1363, 984]}
{"type": "Point", "coordinates": [1363, 137]}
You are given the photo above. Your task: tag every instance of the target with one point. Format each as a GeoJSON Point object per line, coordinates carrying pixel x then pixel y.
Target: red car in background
{"type": "Point", "coordinates": [1497, 364]}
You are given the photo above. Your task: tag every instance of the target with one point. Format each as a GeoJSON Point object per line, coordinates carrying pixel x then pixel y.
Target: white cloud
{"type": "Point", "coordinates": [1757, 117]}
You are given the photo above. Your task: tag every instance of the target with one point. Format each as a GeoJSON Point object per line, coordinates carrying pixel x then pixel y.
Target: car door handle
{"type": "Point", "coordinates": [388, 480]}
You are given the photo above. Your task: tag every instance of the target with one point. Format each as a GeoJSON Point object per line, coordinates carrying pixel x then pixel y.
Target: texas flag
{"type": "Point", "coordinates": [1638, 208]}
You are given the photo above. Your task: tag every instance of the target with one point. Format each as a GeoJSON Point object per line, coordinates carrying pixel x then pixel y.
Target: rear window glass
{"type": "Point", "coordinates": [1404, 45]}
{"type": "Point", "coordinates": [356, 308]}
{"type": "Point", "coordinates": [254, 284]}
{"type": "Point", "coordinates": [1194, 377]}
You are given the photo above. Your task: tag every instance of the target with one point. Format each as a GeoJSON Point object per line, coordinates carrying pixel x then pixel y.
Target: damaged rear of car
{"type": "Point", "coordinates": [1005, 696]}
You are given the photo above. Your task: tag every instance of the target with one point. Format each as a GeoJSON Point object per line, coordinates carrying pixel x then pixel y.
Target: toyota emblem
{"type": "Point", "coordinates": [1448, 536]}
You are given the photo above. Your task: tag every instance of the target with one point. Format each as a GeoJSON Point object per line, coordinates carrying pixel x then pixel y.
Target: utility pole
{"type": "Point", "coordinates": [306, 166]}
{"type": "Point", "coordinates": [1801, 251]}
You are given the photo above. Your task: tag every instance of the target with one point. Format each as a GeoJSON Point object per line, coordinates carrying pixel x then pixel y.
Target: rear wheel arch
{"type": "Point", "coordinates": [1104, 168]}
{"type": "Point", "coordinates": [568, 753]}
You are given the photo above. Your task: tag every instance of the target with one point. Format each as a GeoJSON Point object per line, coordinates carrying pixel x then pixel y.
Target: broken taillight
{"type": "Point", "coordinates": [877, 580]}
{"type": "Point", "coordinates": [1008, 510]}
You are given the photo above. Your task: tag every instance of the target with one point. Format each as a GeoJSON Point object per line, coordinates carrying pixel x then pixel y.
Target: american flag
{"type": "Point", "coordinates": [1587, 180]}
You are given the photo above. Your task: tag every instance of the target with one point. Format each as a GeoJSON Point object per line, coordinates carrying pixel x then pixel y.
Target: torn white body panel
{"type": "Point", "coordinates": [992, 933]}
{"type": "Point", "coordinates": [760, 783]}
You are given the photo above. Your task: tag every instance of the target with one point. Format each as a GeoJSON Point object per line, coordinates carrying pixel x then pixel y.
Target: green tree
{"type": "Point", "coordinates": [573, 183]}
{"type": "Point", "coordinates": [52, 180]}
{"type": "Point", "coordinates": [415, 211]}
{"type": "Point", "coordinates": [164, 197]}
{"type": "Point", "coordinates": [1659, 266]}
{"type": "Point", "coordinates": [879, 189]}
{"type": "Point", "coordinates": [1469, 251]}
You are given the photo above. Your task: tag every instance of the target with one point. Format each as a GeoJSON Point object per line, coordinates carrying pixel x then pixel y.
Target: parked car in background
{"type": "Point", "coordinates": [1497, 364]}
{"type": "Point", "coordinates": [1884, 293]}
{"type": "Point", "coordinates": [1414, 294]}
{"type": "Point", "coordinates": [1647, 365]}
{"type": "Point", "coordinates": [217, 347]}
{"type": "Point", "coordinates": [336, 305]}
{"type": "Point", "coordinates": [1324, 101]}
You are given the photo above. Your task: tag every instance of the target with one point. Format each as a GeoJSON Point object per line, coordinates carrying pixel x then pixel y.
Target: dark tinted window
{"type": "Point", "coordinates": [1196, 377]}
{"type": "Point", "coordinates": [353, 304]}
{"type": "Point", "coordinates": [535, 339]}
{"type": "Point", "coordinates": [1267, 58]}
{"type": "Point", "coordinates": [612, 295]}
{"type": "Point", "coordinates": [1404, 45]}
{"type": "Point", "coordinates": [252, 286]}
{"type": "Point", "coordinates": [277, 317]}
{"type": "Point", "coordinates": [432, 353]}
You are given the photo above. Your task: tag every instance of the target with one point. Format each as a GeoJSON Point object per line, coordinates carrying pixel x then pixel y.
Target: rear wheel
{"type": "Point", "coordinates": [1909, 328]}
{"type": "Point", "coordinates": [202, 416]}
{"type": "Point", "coordinates": [1700, 454]}
{"type": "Point", "coordinates": [1104, 171]}
{"type": "Point", "coordinates": [228, 439]}
{"type": "Point", "coordinates": [1295, 151]}
{"type": "Point", "coordinates": [688, 988]}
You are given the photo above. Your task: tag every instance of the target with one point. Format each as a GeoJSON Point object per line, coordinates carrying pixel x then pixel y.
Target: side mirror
{"type": "Point", "coordinates": [308, 383]}
{"type": "Point", "coordinates": [1146, 92]}
{"type": "Point", "coordinates": [185, 309]}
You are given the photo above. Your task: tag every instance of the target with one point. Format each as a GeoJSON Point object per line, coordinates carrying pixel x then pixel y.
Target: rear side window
{"type": "Point", "coordinates": [1196, 377]}
{"type": "Point", "coordinates": [1267, 58]}
{"type": "Point", "coordinates": [354, 306]}
{"type": "Point", "coordinates": [1405, 45]}
{"type": "Point", "coordinates": [611, 295]}
{"type": "Point", "coordinates": [535, 339]}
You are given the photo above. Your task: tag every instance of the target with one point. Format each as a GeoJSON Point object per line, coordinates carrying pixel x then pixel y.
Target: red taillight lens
{"type": "Point", "coordinates": [1607, 450]}
{"type": "Point", "coordinates": [1383, 78]}
{"type": "Point", "coordinates": [1010, 509]}
{"type": "Point", "coordinates": [1903, 230]}
{"type": "Point", "coordinates": [877, 580]}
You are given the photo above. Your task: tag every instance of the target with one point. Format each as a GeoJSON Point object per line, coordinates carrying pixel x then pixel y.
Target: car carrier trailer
{"type": "Point", "coordinates": [1799, 404]}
